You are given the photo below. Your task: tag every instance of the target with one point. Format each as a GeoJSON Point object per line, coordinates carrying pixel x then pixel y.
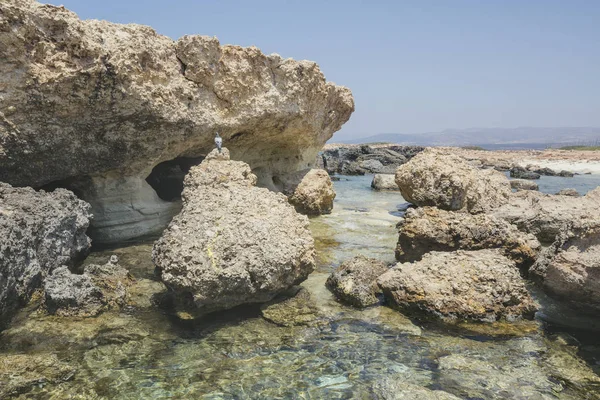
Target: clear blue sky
{"type": "Point", "coordinates": [413, 66]}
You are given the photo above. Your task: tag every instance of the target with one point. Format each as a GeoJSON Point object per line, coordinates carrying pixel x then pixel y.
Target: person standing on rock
{"type": "Point", "coordinates": [218, 141]}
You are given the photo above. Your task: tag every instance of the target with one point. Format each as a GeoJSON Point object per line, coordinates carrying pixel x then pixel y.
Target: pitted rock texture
{"type": "Point", "coordinates": [569, 269]}
{"type": "Point", "coordinates": [39, 232]}
{"type": "Point", "coordinates": [354, 282]}
{"type": "Point", "coordinates": [310, 191]}
{"type": "Point", "coordinates": [94, 98]}
{"type": "Point", "coordinates": [523, 184]}
{"type": "Point", "coordinates": [436, 178]}
{"type": "Point", "coordinates": [232, 243]}
{"type": "Point", "coordinates": [430, 229]}
{"type": "Point", "coordinates": [480, 285]}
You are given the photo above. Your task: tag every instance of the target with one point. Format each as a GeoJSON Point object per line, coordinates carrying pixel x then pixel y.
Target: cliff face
{"type": "Point", "coordinates": [95, 100]}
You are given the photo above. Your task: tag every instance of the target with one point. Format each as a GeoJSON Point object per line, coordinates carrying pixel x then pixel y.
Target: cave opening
{"type": "Point", "coordinates": [167, 177]}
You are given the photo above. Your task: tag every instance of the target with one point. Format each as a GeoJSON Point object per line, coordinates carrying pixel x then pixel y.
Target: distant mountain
{"type": "Point", "coordinates": [522, 137]}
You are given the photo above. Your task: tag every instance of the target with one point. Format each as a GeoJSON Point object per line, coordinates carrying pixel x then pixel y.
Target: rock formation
{"type": "Point", "coordinates": [430, 229]}
{"type": "Point", "coordinates": [523, 184]}
{"type": "Point", "coordinates": [355, 281]}
{"type": "Point", "coordinates": [232, 243]}
{"type": "Point", "coordinates": [310, 191]}
{"type": "Point", "coordinates": [95, 106]}
{"type": "Point", "coordinates": [522, 173]}
{"type": "Point", "coordinates": [291, 309]}
{"type": "Point", "coordinates": [39, 232]}
{"type": "Point", "coordinates": [358, 160]}
{"type": "Point", "coordinates": [384, 182]}
{"type": "Point", "coordinates": [480, 285]}
{"type": "Point", "coordinates": [436, 178]}
{"type": "Point", "coordinates": [568, 192]}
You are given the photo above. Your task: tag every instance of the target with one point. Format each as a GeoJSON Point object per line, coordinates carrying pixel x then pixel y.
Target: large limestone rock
{"type": "Point", "coordinates": [435, 178]}
{"type": "Point", "coordinates": [480, 285]}
{"type": "Point", "coordinates": [569, 269]}
{"type": "Point", "coordinates": [232, 243]}
{"type": "Point", "coordinates": [95, 106]}
{"type": "Point", "coordinates": [38, 232]}
{"type": "Point", "coordinates": [310, 191]}
{"type": "Point", "coordinates": [430, 229]}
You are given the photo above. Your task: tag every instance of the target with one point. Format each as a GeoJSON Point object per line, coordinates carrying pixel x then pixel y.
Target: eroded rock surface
{"type": "Point", "coordinates": [522, 173]}
{"type": "Point", "coordinates": [355, 281]}
{"type": "Point", "coordinates": [384, 182]}
{"type": "Point", "coordinates": [436, 178]}
{"type": "Point", "coordinates": [39, 232]}
{"type": "Point", "coordinates": [430, 229]}
{"type": "Point", "coordinates": [480, 285]}
{"type": "Point", "coordinates": [523, 184]}
{"type": "Point", "coordinates": [232, 243]}
{"type": "Point", "coordinates": [98, 100]}
{"type": "Point", "coordinates": [310, 191]}
{"type": "Point", "coordinates": [291, 309]}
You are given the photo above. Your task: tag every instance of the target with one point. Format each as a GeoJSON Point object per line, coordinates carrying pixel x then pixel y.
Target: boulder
{"type": "Point", "coordinates": [233, 243]}
{"type": "Point", "coordinates": [569, 269]}
{"type": "Point", "coordinates": [372, 166]}
{"type": "Point", "coordinates": [39, 232]}
{"type": "Point", "coordinates": [350, 168]}
{"type": "Point", "coordinates": [568, 192]}
{"type": "Point", "coordinates": [480, 285]}
{"type": "Point", "coordinates": [94, 106]}
{"type": "Point", "coordinates": [310, 191]}
{"type": "Point", "coordinates": [522, 173]}
{"type": "Point", "coordinates": [354, 282]}
{"type": "Point", "coordinates": [291, 309]}
{"type": "Point", "coordinates": [430, 229]}
{"type": "Point", "coordinates": [435, 178]}
{"type": "Point", "coordinates": [384, 182]}
{"type": "Point", "coordinates": [523, 184]}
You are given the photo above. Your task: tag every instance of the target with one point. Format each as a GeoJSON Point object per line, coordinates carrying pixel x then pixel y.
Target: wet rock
{"type": "Point", "coordinates": [39, 232]}
{"type": "Point", "coordinates": [522, 173]}
{"type": "Point", "coordinates": [568, 192]}
{"type": "Point", "coordinates": [392, 389]}
{"type": "Point", "coordinates": [157, 99]}
{"type": "Point", "coordinates": [99, 288]}
{"type": "Point", "coordinates": [434, 178]}
{"type": "Point", "coordinates": [569, 269]}
{"type": "Point", "coordinates": [19, 373]}
{"type": "Point", "coordinates": [480, 285]}
{"type": "Point", "coordinates": [430, 229]}
{"type": "Point", "coordinates": [291, 309]}
{"type": "Point", "coordinates": [310, 191]}
{"type": "Point", "coordinates": [232, 243]}
{"type": "Point", "coordinates": [355, 281]}
{"type": "Point", "coordinates": [523, 184]}
{"type": "Point", "coordinates": [384, 182]}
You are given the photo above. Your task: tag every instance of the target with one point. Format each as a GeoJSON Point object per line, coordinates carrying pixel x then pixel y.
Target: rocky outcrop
{"type": "Point", "coordinates": [354, 282]}
{"type": "Point", "coordinates": [358, 160]}
{"type": "Point", "coordinates": [522, 173]}
{"type": "Point", "coordinates": [310, 191]}
{"type": "Point", "coordinates": [39, 232]}
{"type": "Point", "coordinates": [430, 229]}
{"type": "Point", "coordinates": [569, 269]}
{"type": "Point", "coordinates": [523, 184]}
{"type": "Point", "coordinates": [232, 243]}
{"type": "Point", "coordinates": [99, 288]}
{"type": "Point", "coordinates": [568, 192]}
{"type": "Point", "coordinates": [98, 105]}
{"type": "Point", "coordinates": [480, 285]}
{"type": "Point", "coordinates": [384, 182]}
{"type": "Point", "coordinates": [549, 172]}
{"type": "Point", "coordinates": [436, 178]}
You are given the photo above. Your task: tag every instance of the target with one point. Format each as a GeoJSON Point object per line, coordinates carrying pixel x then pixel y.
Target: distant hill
{"type": "Point", "coordinates": [492, 138]}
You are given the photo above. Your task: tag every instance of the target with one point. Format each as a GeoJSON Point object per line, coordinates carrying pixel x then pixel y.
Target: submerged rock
{"type": "Point", "coordinates": [232, 243]}
{"type": "Point", "coordinates": [392, 389]}
{"type": "Point", "coordinates": [291, 309]}
{"type": "Point", "coordinates": [39, 232]}
{"type": "Point", "coordinates": [108, 102]}
{"type": "Point", "coordinates": [430, 229]}
{"type": "Point", "coordinates": [384, 182]}
{"type": "Point", "coordinates": [355, 281]}
{"type": "Point", "coordinates": [310, 191]}
{"type": "Point", "coordinates": [523, 184]}
{"type": "Point", "coordinates": [434, 178]}
{"type": "Point", "coordinates": [480, 285]}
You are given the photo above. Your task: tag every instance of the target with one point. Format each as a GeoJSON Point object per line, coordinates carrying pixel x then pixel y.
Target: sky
{"type": "Point", "coordinates": [413, 66]}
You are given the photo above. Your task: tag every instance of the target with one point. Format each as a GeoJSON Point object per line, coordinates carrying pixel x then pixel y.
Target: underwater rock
{"type": "Point", "coordinates": [392, 389]}
{"type": "Point", "coordinates": [232, 243]}
{"type": "Point", "coordinates": [569, 270]}
{"type": "Point", "coordinates": [384, 182]}
{"type": "Point", "coordinates": [39, 232]}
{"type": "Point", "coordinates": [523, 184]}
{"type": "Point", "coordinates": [428, 229]}
{"type": "Point", "coordinates": [291, 309]}
{"type": "Point", "coordinates": [522, 173]}
{"type": "Point", "coordinates": [354, 282]}
{"type": "Point", "coordinates": [435, 178]}
{"type": "Point", "coordinates": [481, 285]}
{"type": "Point", "coordinates": [310, 191]}
{"type": "Point", "coordinates": [113, 101]}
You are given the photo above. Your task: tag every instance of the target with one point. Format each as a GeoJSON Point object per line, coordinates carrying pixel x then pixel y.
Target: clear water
{"type": "Point", "coordinates": [581, 183]}
{"type": "Point", "coordinates": [144, 352]}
